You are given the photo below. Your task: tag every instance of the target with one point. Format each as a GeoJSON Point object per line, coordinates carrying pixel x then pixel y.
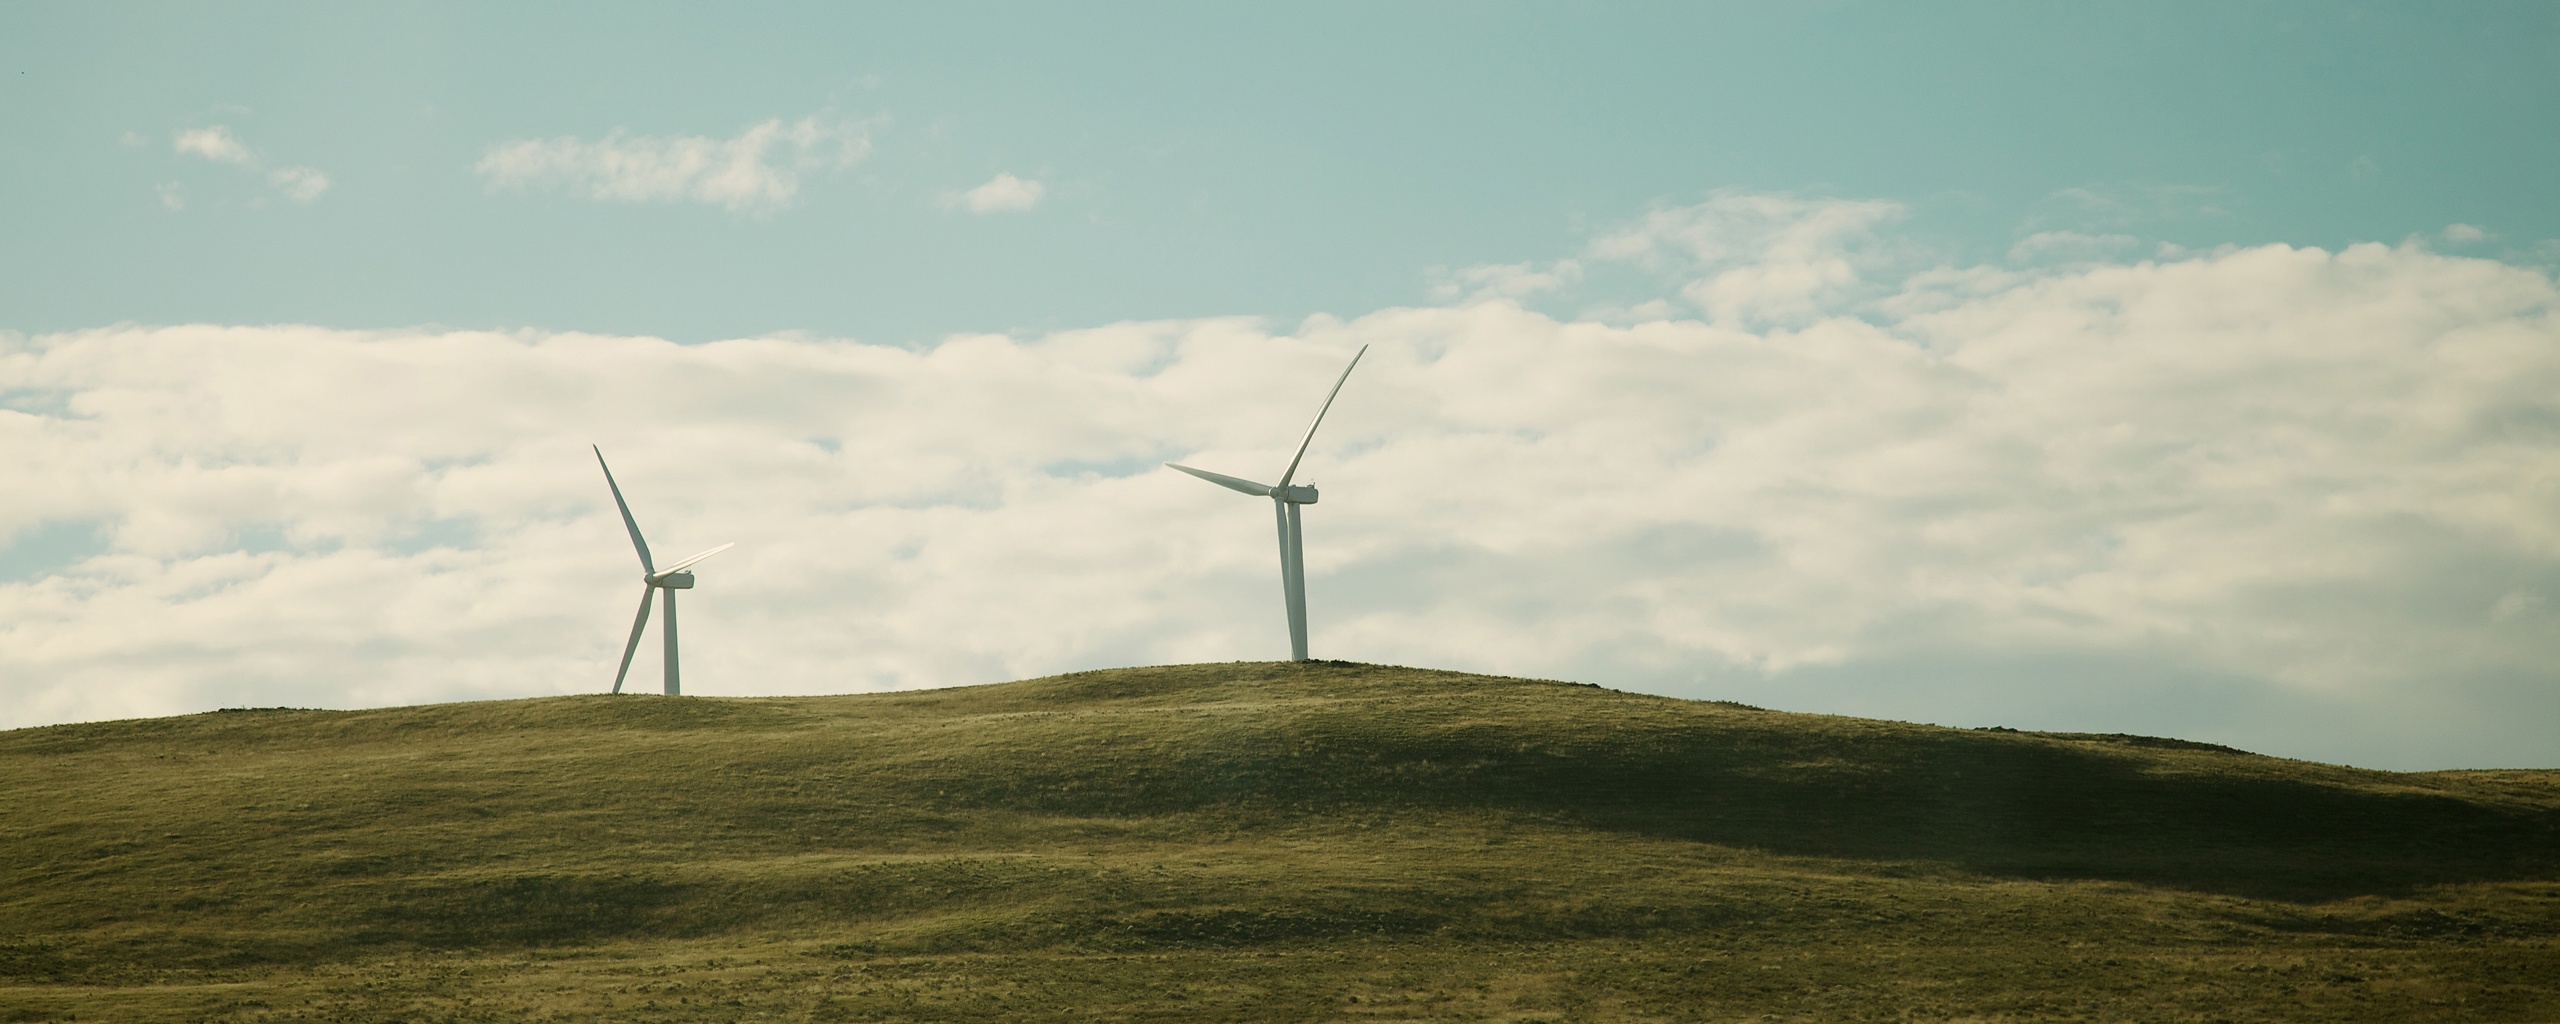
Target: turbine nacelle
{"type": "Point", "coordinates": [675, 577]}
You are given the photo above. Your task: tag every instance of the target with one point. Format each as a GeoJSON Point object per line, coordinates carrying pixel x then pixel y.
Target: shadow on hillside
{"type": "Point", "coordinates": [2136, 809]}
{"type": "Point", "coordinates": [2051, 811]}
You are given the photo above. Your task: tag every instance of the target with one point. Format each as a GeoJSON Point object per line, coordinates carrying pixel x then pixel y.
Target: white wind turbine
{"type": "Point", "coordinates": [1285, 500]}
{"type": "Point", "coordinates": [671, 579]}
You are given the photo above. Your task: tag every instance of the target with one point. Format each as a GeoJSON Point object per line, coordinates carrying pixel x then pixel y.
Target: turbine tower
{"type": "Point", "coordinates": [652, 580]}
{"type": "Point", "coordinates": [1285, 499]}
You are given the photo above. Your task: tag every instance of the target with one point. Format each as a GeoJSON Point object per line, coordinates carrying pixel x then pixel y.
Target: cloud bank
{"type": "Point", "coordinates": [756, 171]}
{"type": "Point", "coordinates": [2300, 500]}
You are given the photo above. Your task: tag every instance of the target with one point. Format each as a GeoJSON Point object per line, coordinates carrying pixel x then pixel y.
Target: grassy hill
{"type": "Point", "coordinates": [1244, 842]}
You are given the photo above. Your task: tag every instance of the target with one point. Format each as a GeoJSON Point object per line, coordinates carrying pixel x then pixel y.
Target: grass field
{"type": "Point", "coordinates": [1239, 843]}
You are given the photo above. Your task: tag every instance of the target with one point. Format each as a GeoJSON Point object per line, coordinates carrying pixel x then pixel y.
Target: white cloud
{"type": "Point", "coordinates": [2068, 246]}
{"type": "Point", "coordinates": [2334, 475]}
{"type": "Point", "coordinates": [2464, 233]}
{"type": "Point", "coordinates": [2098, 221]}
{"type": "Point", "coordinates": [1753, 260]}
{"type": "Point", "coordinates": [1507, 281]}
{"type": "Point", "coordinates": [300, 184]}
{"type": "Point", "coordinates": [758, 170]}
{"type": "Point", "coordinates": [216, 144]}
{"type": "Point", "coordinates": [1002, 193]}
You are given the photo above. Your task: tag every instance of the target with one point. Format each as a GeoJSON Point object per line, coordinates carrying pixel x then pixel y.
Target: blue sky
{"type": "Point", "coordinates": [1204, 160]}
{"type": "Point", "coordinates": [2170, 368]}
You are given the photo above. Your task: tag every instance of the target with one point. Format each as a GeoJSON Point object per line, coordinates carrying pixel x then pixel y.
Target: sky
{"type": "Point", "coordinates": [2182, 369]}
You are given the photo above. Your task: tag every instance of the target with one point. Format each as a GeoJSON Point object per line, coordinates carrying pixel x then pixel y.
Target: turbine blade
{"type": "Point", "coordinates": [633, 644]}
{"type": "Point", "coordinates": [688, 563]}
{"type": "Point", "coordinates": [627, 522]}
{"type": "Point", "coordinates": [1319, 420]}
{"type": "Point", "coordinates": [1223, 480]}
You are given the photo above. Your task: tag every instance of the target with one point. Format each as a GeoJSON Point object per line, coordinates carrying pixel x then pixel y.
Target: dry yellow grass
{"type": "Point", "coordinates": [1244, 842]}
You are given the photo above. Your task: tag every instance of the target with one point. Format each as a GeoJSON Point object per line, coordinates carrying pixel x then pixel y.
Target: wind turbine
{"type": "Point", "coordinates": [1285, 499]}
{"type": "Point", "coordinates": [671, 579]}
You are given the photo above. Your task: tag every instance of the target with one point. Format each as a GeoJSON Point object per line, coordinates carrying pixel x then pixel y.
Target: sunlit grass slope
{"type": "Point", "coordinates": [1244, 842]}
